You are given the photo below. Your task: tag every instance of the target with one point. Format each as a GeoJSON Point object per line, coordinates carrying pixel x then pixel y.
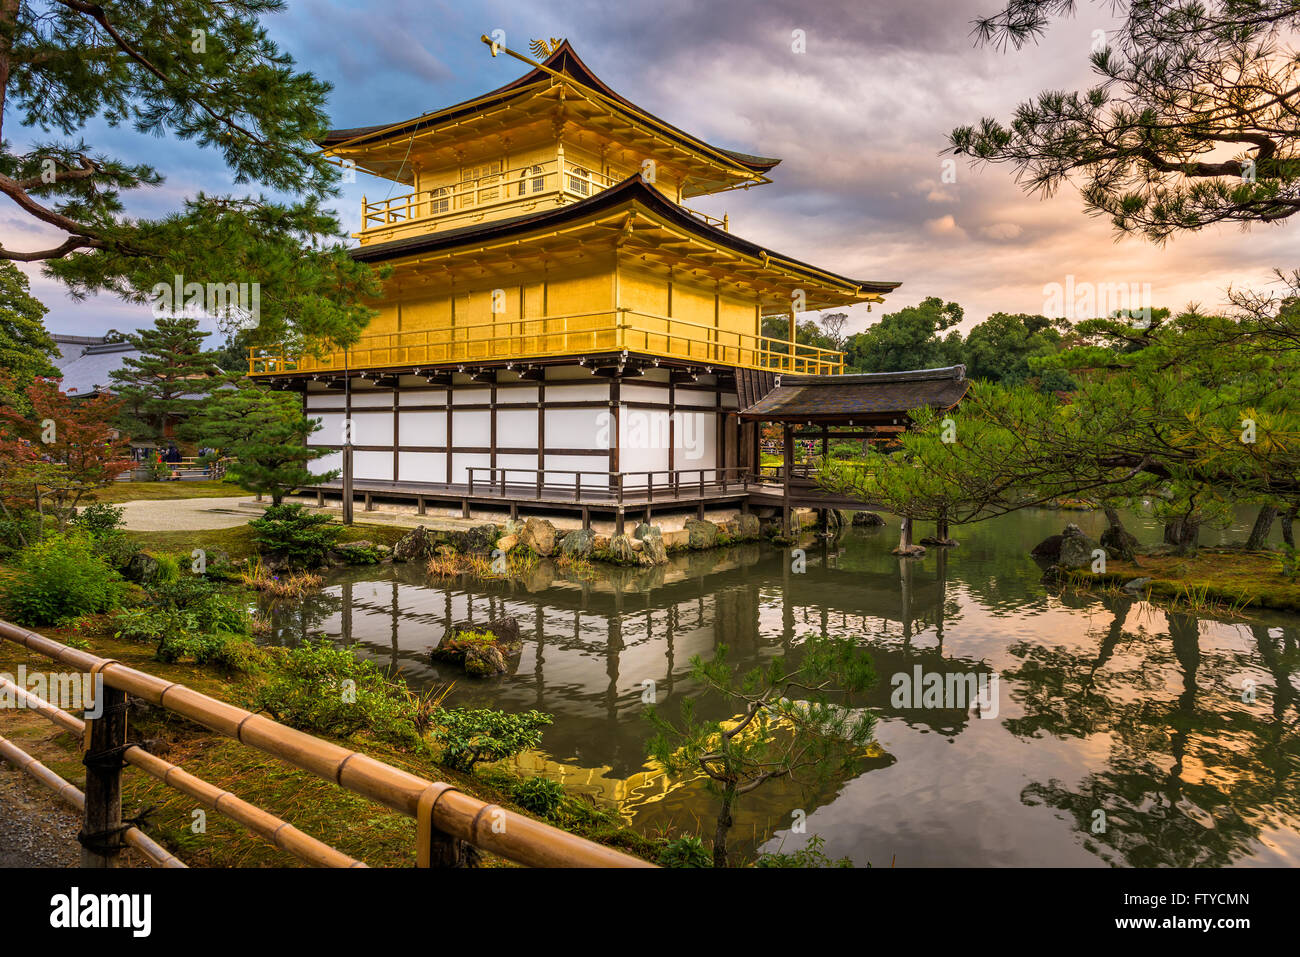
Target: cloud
{"type": "Point", "coordinates": [944, 226]}
{"type": "Point", "coordinates": [860, 121]}
{"type": "Point", "coordinates": [1001, 231]}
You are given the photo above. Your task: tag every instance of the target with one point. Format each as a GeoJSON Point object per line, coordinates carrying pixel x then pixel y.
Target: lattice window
{"type": "Point", "coordinates": [579, 180]}
{"type": "Point", "coordinates": [534, 177]}
{"type": "Point", "coordinates": [482, 183]}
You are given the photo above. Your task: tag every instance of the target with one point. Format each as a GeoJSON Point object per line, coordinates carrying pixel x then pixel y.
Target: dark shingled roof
{"type": "Point", "coordinates": [633, 188]}
{"type": "Point", "coordinates": [863, 397]}
{"type": "Point", "coordinates": [563, 60]}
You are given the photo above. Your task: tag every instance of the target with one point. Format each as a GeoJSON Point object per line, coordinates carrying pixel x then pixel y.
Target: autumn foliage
{"type": "Point", "coordinates": [54, 457]}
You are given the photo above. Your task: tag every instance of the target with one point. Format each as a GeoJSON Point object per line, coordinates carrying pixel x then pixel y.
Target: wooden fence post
{"type": "Point", "coordinates": [437, 848]}
{"type": "Point", "coordinates": [101, 829]}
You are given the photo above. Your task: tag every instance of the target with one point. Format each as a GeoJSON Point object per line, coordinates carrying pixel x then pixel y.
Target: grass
{"type": "Point", "coordinates": [237, 542]}
{"type": "Point", "coordinates": [354, 825]}
{"type": "Point", "coordinates": [292, 585]}
{"type": "Point", "coordinates": [447, 563]}
{"type": "Point", "coordinates": [1214, 579]}
{"type": "Point", "coordinates": [120, 492]}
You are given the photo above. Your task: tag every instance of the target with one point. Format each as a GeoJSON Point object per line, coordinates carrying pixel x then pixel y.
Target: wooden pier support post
{"type": "Point", "coordinates": [420, 507]}
{"type": "Point", "coordinates": [586, 518]}
{"type": "Point", "coordinates": [464, 508]}
{"type": "Point", "coordinates": [905, 535]}
{"type": "Point", "coordinates": [620, 526]}
{"type": "Point", "coordinates": [320, 499]}
{"type": "Point", "coordinates": [787, 458]}
{"type": "Point", "coordinates": [347, 484]}
{"type": "Point", "coordinates": [101, 829]}
{"type": "Point", "coordinates": [370, 506]}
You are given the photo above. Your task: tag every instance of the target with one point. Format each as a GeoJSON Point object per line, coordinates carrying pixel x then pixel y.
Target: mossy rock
{"type": "Point", "coordinates": [578, 543]}
{"type": "Point", "coordinates": [482, 650]}
{"type": "Point", "coordinates": [701, 534]}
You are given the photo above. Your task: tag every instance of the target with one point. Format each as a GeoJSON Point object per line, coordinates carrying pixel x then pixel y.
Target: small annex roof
{"type": "Point", "coordinates": [90, 373]}
{"type": "Point", "coordinates": [862, 397]}
{"type": "Point", "coordinates": [564, 60]}
{"type": "Point", "coordinates": [632, 190]}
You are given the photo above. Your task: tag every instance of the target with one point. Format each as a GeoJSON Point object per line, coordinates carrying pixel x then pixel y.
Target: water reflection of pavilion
{"type": "Point", "coordinates": [1146, 704]}
{"type": "Point", "coordinates": [593, 647]}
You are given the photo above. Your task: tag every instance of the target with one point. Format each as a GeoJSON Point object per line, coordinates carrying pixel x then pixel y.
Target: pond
{"type": "Point", "coordinates": [1115, 733]}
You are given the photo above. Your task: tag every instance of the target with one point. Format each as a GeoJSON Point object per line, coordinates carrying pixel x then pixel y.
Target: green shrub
{"type": "Point", "coordinates": [58, 578]}
{"type": "Point", "coordinates": [470, 735]}
{"type": "Point", "coordinates": [686, 851]}
{"type": "Point", "coordinates": [324, 689]}
{"type": "Point", "coordinates": [810, 856]}
{"type": "Point", "coordinates": [361, 555]}
{"type": "Point", "coordinates": [187, 616]}
{"type": "Point", "coordinates": [295, 535]}
{"type": "Point", "coordinates": [540, 795]}
{"type": "Point", "coordinates": [15, 528]}
{"type": "Point", "coordinates": [169, 569]}
{"type": "Point", "coordinates": [116, 547]}
{"type": "Point", "coordinates": [98, 518]}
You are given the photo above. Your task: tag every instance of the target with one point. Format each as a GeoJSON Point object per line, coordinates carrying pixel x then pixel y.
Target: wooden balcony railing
{"type": "Point", "coordinates": [553, 179]}
{"type": "Point", "coordinates": [426, 210]}
{"type": "Point", "coordinates": [546, 336]}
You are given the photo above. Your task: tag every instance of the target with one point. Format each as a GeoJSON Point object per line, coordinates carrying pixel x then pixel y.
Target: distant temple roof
{"type": "Point", "coordinates": [633, 189]}
{"type": "Point", "coordinates": [89, 373]}
{"type": "Point", "coordinates": [563, 60]}
{"type": "Point", "coordinates": [862, 397]}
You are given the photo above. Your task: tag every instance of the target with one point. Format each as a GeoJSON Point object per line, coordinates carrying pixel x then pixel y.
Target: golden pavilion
{"type": "Point", "coordinates": [559, 326]}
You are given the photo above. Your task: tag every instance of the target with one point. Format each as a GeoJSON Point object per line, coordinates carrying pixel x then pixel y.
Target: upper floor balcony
{"type": "Point", "coordinates": [580, 334]}
{"type": "Point", "coordinates": [488, 193]}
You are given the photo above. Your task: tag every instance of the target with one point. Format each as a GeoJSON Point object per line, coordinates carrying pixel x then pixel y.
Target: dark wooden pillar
{"type": "Point", "coordinates": [787, 453]}
{"type": "Point", "coordinates": [101, 829]}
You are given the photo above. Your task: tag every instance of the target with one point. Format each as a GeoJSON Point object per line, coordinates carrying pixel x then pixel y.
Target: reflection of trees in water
{"type": "Point", "coordinates": [293, 619]}
{"type": "Point", "coordinates": [591, 642]}
{"type": "Point", "coordinates": [1191, 778]}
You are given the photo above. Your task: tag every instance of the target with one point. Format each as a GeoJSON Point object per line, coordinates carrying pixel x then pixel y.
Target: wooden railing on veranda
{"type": "Point", "coordinates": [448, 820]}
{"type": "Point", "coordinates": [576, 334]}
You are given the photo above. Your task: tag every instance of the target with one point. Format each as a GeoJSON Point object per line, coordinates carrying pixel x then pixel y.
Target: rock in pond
{"type": "Point", "coordinates": [622, 550]}
{"type": "Point", "coordinates": [482, 650]}
{"type": "Point", "coordinates": [1049, 549]}
{"type": "Point", "coordinates": [1076, 548]}
{"type": "Point", "coordinates": [578, 543]}
{"type": "Point", "coordinates": [701, 534]}
{"type": "Point", "coordinates": [418, 545]}
{"type": "Point", "coordinates": [867, 519]}
{"type": "Point", "coordinates": [539, 535]}
{"type": "Point", "coordinates": [480, 539]}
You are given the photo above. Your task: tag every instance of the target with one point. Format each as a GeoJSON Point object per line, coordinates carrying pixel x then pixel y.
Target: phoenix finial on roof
{"type": "Point", "coordinates": [543, 49]}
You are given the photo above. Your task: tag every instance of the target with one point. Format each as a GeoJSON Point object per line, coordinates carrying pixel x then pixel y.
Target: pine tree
{"type": "Point", "coordinates": [25, 346]}
{"type": "Point", "coordinates": [266, 433]}
{"type": "Point", "coordinates": [1195, 119]}
{"type": "Point", "coordinates": [203, 71]}
{"type": "Point", "coordinates": [172, 374]}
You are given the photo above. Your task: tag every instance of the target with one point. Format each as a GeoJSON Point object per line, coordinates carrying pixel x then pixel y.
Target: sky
{"type": "Point", "coordinates": [860, 118]}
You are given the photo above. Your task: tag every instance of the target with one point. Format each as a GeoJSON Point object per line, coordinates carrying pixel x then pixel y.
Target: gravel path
{"type": "Point", "coordinates": [184, 514]}
{"type": "Point", "coordinates": [36, 828]}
